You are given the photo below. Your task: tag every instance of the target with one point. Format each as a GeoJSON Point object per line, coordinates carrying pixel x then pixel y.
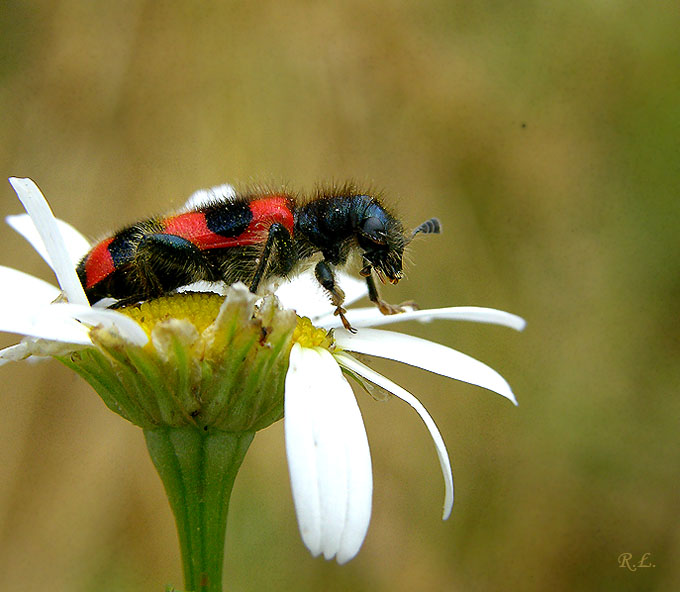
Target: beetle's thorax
{"type": "Point", "coordinates": [326, 220]}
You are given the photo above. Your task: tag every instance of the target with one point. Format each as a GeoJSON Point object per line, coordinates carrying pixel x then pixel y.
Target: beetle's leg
{"type": "Point", "coordinates": [163, 262]}
{"type": "Point", "coordinates": [385, 307]}
{"type": "Point", "coordinates": [278, 238]}
{"type": "Point", "coordinates": [325, 276]}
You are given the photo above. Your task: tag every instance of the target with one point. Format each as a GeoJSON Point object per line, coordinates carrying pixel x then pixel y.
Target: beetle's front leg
{"type": "Point", "coordinates": [384, 307]}
{"type": "Point", "coordinates": [325, 276]}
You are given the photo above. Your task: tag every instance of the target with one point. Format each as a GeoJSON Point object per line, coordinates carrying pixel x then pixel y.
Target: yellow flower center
{"type": "Point", "coordinates": [199, 308]}
{"type": "Point", "coordinates": [307, 335]}
{"type": "Point", "coordinates": [211, 362]}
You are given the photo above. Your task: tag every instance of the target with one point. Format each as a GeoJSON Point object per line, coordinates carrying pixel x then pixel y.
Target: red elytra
{"type": "Point", "coordinates": [266, 211]}
{"type": "Point", "coordinates": [193, 227]}
{"type": "Point", "coordinates": [99, 263]}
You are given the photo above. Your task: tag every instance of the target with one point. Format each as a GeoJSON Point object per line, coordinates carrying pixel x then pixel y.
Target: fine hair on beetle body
{"type": "Point", "coordinates": [254, 236]}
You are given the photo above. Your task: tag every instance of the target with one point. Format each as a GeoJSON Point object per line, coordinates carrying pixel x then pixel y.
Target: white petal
{"type": "Point", "coordinates": [355, 366]}
{"type": "Point", "coordinates": [424, 354]}
{"type": "Point", "coordinates": [21, 290]}
{"type": "Point", "coordinates": [43, 218]}
{"type": "Point", "coordinates": [23, 224]}
{"type": "Point", "coordinates": [76, 244]}
{"type": "Point", "coordinates": [216, 287]}
{"type": "Point", "coordinates": [126, 327]}
{"type": "Point", "coordinates": [43, 322]}
{"type": "Point", "coordinates": [372, 317]}
{"type": "Point", "coordinates": [204, 197]}
{"type": "Point", "coordinates": [105, 303]}
{"type": "Point", "coordinates": [354, 288]}
{"type": "Point", "coordinates": [68, 323]}
{"type": "Point", "coordinates": [13, 353]}
{"type": "Point", "coordinates": [304, 294]}
{"type": "Point", "coordinates": [328, 456]}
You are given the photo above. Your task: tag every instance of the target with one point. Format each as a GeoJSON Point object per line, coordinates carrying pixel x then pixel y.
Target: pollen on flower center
{"type": "Point", "coordinates": [199, 308]}
{"type": "Point", "coordinates": [212, 362]}
{"type": "Point", "coordinates": [307, 335]}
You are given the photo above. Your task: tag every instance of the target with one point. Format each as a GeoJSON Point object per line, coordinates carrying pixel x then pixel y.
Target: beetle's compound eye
{"type": "Point", "coordinates": [374, 229]}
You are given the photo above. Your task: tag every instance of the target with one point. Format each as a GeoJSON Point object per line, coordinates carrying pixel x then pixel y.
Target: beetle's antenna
{"type": "Point", "coordinates": [431, 226]}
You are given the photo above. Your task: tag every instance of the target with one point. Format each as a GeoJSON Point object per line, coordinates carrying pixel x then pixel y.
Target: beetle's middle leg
{"type": "Point", "coordinates": [278, 238]}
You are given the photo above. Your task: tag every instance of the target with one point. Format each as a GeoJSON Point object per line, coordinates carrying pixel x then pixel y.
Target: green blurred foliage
{"type": "Point", "coordinates": [546, 136]}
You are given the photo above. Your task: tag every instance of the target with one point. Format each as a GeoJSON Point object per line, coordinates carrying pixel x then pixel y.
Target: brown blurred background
{"type": "Point", "coordinates": [546, 136]}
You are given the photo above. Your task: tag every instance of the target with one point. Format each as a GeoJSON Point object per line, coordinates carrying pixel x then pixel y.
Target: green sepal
{"type": "Point", "coordinates": [230, 378]}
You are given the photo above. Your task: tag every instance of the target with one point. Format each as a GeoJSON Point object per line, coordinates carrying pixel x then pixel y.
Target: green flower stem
{"type": "Point", "coordinates": [212, 375]}
{"type": "Point", "coordinates": [198, 468]}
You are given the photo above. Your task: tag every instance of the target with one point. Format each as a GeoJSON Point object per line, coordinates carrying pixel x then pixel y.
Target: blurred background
{"type": "Point", "coordinates": [545, 136]}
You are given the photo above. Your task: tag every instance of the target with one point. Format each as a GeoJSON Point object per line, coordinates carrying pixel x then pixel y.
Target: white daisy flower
{"type": "Point", "coordinates": [326, 444]}
{"type": "Point", "coordinates": [31, 307]}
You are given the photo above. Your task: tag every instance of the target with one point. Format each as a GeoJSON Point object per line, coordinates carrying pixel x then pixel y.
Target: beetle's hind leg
{"type": "Point", "coordinates": [165, 262]}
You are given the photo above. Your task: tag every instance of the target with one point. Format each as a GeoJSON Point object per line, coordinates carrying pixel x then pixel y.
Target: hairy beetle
{"type": "Point", "coordinates": [252, 237]}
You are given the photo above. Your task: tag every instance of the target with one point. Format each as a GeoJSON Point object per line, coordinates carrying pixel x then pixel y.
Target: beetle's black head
{"type": "Point", "coordinates": [381, 240]}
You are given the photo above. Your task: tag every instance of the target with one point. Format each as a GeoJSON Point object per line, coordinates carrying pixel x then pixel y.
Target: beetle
{"type": "Point", "coordinates": [252, 237]}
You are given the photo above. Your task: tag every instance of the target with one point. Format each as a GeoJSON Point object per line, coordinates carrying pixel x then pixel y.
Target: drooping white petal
{"type": "Point", "coordinates": [43, 218]}
{"type": "Point", "coordinates": [204, 197]}
{"type": "Point", "coordinates": [76, 244]}
{"type": "Point", "coordinates": [126, 327]}
{"type": "Point", "coordinates": [361, 369]}
{"type": "Point", "coordinates": [305, 295]}
{"type": "Point", "coordinates": [328, 455]}
{"type": "Point", "coordinates": [424, 354]}
{"type": "Point", "coordinates": [372, 317]}
{"type": "Point", "coordinates": [24, 291]}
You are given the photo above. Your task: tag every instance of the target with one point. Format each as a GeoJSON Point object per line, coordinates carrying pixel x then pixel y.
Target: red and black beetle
{"type": "Point", "coordinates": [251, 237]}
